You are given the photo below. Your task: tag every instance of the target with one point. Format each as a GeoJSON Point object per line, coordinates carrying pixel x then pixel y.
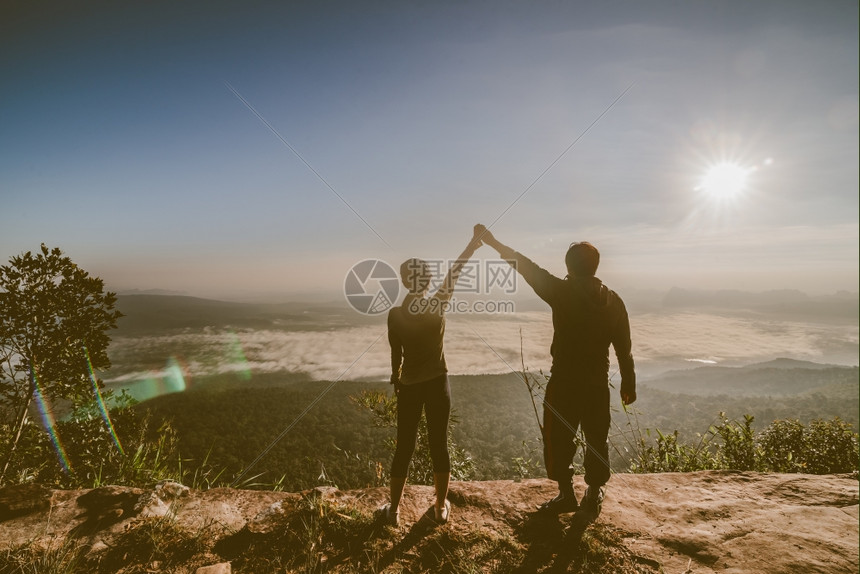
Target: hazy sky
{"type": "Point", "coordinates": [122, 142]}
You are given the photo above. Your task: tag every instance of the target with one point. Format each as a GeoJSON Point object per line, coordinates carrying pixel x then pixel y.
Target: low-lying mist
{"type": "Point", "coordinates": [327, 349]}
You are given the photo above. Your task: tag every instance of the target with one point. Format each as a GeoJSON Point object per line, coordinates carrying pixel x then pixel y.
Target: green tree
{"type": "Point", "coordinates": [54, 319]}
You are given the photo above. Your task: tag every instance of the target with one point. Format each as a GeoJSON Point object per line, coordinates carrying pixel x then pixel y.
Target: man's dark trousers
{"type": "Point", "coordinates": [569, 404]}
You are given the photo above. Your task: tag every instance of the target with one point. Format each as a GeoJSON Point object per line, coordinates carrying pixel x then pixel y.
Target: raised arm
{"type": "Point", "coordinates": [450, 282]}
{"type": "Point", "coordinates": [541, 280]}
{"type": "Point", "coordinates": [485, 236]}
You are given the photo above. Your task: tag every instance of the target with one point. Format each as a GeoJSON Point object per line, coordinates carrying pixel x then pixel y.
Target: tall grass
{"type": "Point", "coordinates": [55, 557]}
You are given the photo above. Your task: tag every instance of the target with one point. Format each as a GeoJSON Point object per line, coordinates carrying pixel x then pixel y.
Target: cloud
{"type": "Point", "coordinates": [478, 345]}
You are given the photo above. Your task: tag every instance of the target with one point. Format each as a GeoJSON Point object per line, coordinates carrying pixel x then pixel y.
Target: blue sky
{"type": "Point", "coordinates": [121, 142]}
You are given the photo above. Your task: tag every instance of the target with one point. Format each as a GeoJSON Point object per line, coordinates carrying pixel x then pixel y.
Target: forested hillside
{"type": "Point", "coordinates": [232, 422]}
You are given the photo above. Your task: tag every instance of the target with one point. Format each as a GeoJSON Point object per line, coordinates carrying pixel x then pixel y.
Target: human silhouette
{"type": "Point", "coordinates": [587, 318]}
{"type": "Point", "coordinates": [416, 330]}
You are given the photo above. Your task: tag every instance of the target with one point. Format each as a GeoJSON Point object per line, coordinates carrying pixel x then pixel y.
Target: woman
{"type": "Point", "coordinates": [420, 377]}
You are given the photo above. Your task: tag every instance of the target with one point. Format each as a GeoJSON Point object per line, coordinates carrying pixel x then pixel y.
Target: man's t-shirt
{"type": "Point", "coordinates": [587, 317]}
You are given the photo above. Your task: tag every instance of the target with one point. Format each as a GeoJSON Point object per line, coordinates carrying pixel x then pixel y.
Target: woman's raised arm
{"type": "Point", "coordinates": [447, 288]}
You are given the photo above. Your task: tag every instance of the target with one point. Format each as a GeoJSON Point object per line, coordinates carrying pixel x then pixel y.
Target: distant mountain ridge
{"type": "Point", "coordinates": [785, 303]}
{"type": "Point", "coordinates": [785, 363]}
{"type": "Point", "coordinates": [166, 292]}
{"type": "Point", "coordinates": [780, 377]}
{"type": "Point", "coordinates": [162, 309]}
{"type": "Point", "coordinates": [158, 313]}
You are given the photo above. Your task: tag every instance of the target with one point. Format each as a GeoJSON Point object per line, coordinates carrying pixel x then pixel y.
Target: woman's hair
{"type": "Point", "coordinates": [582, 259]}
{"type": "Point", "coordinates": [415, 275]}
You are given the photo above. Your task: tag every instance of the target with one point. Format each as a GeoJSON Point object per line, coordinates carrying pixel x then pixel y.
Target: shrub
{"type": "Point", "coordinates": [822, 447]}
{"type": "Point", "coordinates": [830, 446]}
{"type": "Point", "coordinates": [737, 450]}
{"type": "Point", "coordinates": [140, 453]}
{"type": "Point", "coordinates": [780, 446]}
{"type": "Point", "coordinates": [667, 455]}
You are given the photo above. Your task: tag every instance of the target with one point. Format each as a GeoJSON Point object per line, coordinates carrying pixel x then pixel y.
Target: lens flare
{"type": "Point", "coordinates": [170, 380]}
{"type": "Point", "coordinates": [48, 422]}
{"type": "Point", "coordinates": [174, 378]}
{"type": "Point", "coordinates": [101, 403]}
{"type": "Point", "coordinates": [238, 361]}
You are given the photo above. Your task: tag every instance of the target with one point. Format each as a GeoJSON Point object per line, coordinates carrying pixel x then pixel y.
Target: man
{"type": "Point", "coordinates": [587, 317]}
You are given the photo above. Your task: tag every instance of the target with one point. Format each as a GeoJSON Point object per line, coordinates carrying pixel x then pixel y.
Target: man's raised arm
{"type": "Point", "coordinates": [540, 279]}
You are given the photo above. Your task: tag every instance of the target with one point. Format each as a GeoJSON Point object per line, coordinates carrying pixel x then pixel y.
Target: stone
{"type": "Point", "coordinates": [158, 501]}
{"type": "Point", "coordinates": [104, 498]}
{"type": "Point", "coordinates": [107, 505]}
{"type": "Point", "coordinates": [23, 499]}
{"type": "Point", "coordinates": [324, 492]}
{"type": "Point", "coordinates": [170, 490]}
{"type": "Point", "coordinates": [267, 519]}
{"type": "Point", "coordinates": [220, 568]}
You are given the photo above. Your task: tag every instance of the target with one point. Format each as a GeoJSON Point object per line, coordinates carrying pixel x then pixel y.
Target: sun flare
{"type": "Point", "coordinates": [724, 181]}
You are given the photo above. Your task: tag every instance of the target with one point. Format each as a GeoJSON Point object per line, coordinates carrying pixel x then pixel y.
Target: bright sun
{"type": "Point", "coordinates": [724, 181]}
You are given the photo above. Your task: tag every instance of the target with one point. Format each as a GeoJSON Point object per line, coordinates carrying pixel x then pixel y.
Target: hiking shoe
{"type": "Point", "coordinates": [442, 513]}
{"type": "Point", "coordinates": [593, 500]}
{"type": "Point", "coordinates": [387, 516]}
{"type": "Point", "coordinates": [560, 504]}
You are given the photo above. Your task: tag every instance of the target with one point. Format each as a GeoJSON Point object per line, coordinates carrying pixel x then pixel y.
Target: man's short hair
{"type": "Point", "coordinates": [415, 274]}
{"type": "Point", "coordinates": [582, 259]}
